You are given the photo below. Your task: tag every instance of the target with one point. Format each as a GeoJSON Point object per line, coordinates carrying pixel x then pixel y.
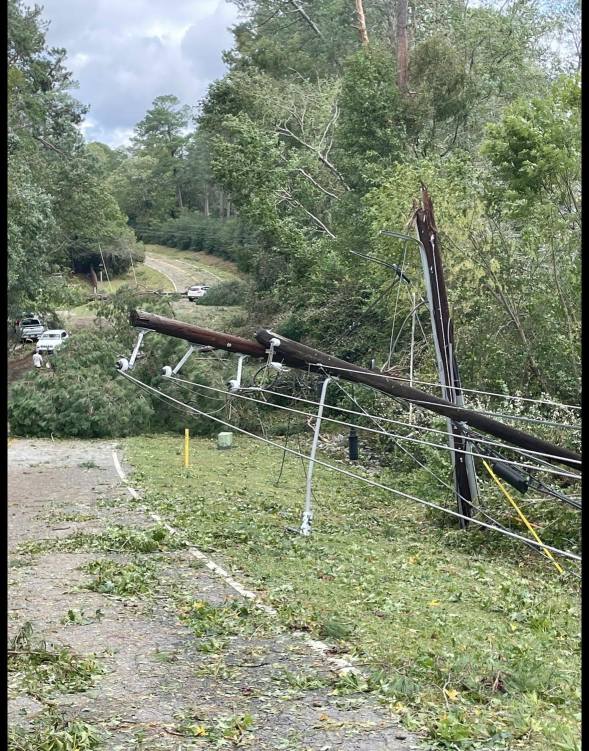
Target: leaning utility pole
{"type": "Point", "coordinates": [443, 336]}
{"type": "Point", "coordinates": [300, 356]}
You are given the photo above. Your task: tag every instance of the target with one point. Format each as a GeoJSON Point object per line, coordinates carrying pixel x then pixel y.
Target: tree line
{"type": "Point", "coordinates": [317, 138]}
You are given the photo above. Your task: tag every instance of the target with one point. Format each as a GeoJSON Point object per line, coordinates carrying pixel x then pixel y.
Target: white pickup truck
{"type": "Point", "coordinates": [29, 329]}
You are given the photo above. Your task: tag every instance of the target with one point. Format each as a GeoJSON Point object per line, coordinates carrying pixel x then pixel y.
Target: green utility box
{"type": "Point", "coordinates": [225, 440]}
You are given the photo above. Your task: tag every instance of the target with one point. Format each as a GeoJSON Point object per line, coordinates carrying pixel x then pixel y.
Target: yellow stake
{"type": "Point", "coordinates": [522, 517]}
{"type": "Point", "coordinates": [186, 447]}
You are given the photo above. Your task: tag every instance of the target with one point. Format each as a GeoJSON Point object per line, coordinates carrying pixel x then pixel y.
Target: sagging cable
{"type": "Point", "coordinates": [340, 470]}
{"type": "Point", "coordinates": [522, 516]}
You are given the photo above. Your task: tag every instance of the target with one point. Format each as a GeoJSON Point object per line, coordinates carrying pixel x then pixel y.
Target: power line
{"type": "Point", "coordinates": [527, 452]}
{"type": "Point", "coordinates": [419, 401]}
{"type": "Point", "coordinates": [559, 472]}
{"type": "Point", "coordinates": [368, 481]}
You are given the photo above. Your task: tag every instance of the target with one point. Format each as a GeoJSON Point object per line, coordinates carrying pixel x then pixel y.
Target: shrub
{"type": "Point", "coordinates": [226, 293]}
{"type": "Point", "coordinates": [85, 396]}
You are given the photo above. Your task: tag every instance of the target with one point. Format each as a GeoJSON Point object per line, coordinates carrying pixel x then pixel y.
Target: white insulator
{"type": "Point", "coordinates": [233, 385]}
{"type": "Point", "coordinates": [277, 365]}
{"type": "Point", "coordinates": [274, 342]}
{"type": "Point", "coordinates": [167, 371]}
{"type": "Point", "coordinates": [123, 364]}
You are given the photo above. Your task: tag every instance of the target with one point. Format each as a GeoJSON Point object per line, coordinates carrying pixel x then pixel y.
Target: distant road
{"type": "Point", "coordinates": [182, 274]}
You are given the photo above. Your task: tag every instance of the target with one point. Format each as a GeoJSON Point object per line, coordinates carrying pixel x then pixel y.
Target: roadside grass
{"type": "Point", "coordinates": [197, 260]}
{"type": "Point", "coordinates": [218, 317]}
{"type": "Point", "coordinates": [470, 639]}
{"type": "Point", "coordinates": [146, 277]}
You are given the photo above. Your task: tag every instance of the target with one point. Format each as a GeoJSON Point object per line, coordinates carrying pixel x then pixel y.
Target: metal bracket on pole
{"type": "Point", "coordinates": [123, 364]}
{"type": "Point", "coordinates": [167, 371]}
{"type": "Point", "coordinates": [307, 519]}
{"type": "Point", "coordinates": [235, 383]}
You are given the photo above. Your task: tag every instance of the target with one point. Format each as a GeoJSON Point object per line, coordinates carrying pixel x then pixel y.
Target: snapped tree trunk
{"type": "Point", "coordinates": [361, 22]}
{"type": "Point", "coordinates": [402, 59]}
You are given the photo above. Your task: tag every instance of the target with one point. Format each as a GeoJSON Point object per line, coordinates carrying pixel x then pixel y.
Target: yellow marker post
{"type": "Point", "coordinates": [521, 515]}
{"type": "Point", "coordinates": [186, 447]}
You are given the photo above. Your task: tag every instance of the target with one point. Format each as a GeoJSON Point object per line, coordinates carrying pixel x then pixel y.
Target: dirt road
{"type": "Point", "coordinates": [174, 657]}
{"type": "Point", "coordinates": [181, 273]}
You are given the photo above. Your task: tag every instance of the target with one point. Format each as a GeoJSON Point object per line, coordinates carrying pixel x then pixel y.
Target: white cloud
{"type": "Point", "coordinates": [124, 53]}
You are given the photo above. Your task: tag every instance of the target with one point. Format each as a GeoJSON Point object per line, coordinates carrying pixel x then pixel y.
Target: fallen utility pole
{"type": "Point", "coordinates": [306, 358]}
{"type": "Point", "coordinates": [443, 336]}
{"type": "Point", "coordinates": [320, 362]}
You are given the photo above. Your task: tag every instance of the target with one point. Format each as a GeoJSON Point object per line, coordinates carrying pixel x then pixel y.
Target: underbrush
{"type": "Point", "coordinates": [231, 293]}
{"type": "Point", "coordinates": [472, 639]}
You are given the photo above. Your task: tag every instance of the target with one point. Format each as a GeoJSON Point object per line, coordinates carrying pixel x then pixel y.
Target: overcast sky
{"type": "Point", "coordinates": [124, 53]}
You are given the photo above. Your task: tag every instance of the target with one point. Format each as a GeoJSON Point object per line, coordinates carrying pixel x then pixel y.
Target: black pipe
{"type": "Point", "coordinates": [353, 444]}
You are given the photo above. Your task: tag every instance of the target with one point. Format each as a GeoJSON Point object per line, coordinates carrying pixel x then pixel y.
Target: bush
{"type": "Point", "coordinates": [86, 397]}
{"type": "Point", "coordinates": [226, 293]}
{"type": "Point", "coordinates": [82, 396]}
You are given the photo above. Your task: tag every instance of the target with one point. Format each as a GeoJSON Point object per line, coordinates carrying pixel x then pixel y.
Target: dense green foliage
{"type": "Point", "coordinates": [60, 212]}
{"type": "Point", "coordinates": [320, 150]}
{"type": "Point", "coordinates": [83, 395]}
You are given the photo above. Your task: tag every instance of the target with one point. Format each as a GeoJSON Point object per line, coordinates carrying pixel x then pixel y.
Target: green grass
{"type": "Point", "coordinates": [197, 260]}
{"type": "Point", "coordinates": [146, 277]}
{"type": "Point", "coordinates": [471, 639]}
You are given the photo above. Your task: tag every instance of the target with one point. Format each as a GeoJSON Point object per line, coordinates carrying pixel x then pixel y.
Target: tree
{"type": "Point", "coordinates": [58, 203]}
{"type": "Point", "coordinates": [162, 135]}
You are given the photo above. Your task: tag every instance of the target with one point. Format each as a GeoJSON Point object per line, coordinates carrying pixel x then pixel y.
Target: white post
{"type": "Point", "coordinates": [307, 519]}
{"type": "Point", "coordinates": [183, 360]}
{"type": "Point", "coordinates": [133, 357]}
{"type": "Point", "coordinates": [413, 315]}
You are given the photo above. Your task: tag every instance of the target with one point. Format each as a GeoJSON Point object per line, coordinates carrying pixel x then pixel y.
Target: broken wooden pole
{"type": "Point", "coordinates": [196, 334]}
{"type": "Point", "coordinates": [318, 361]}
{"type": "Point", "coordinates": [306, 358]}
{"type": "Point", "coordinates": [443, 336]}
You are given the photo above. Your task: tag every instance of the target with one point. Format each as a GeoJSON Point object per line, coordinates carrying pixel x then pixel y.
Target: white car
{"type": "Point", "coordinates": [196, 291]}
{"type": "Point", "coordinates": [50, 340]}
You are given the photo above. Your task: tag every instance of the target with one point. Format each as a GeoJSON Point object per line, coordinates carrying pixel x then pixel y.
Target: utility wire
{"type": "Point", "coordinates": [433, 474]}
{"type": "Point", "coordinates": [474, 391]}
{"type": "Point", "coordinates": [559, 472]}
{"type": "Point", "coordinates": [527, 452]}
{"type": "Point", "coordinates": [368, 481]}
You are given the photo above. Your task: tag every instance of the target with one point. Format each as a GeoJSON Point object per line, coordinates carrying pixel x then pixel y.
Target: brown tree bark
{"type": "Point", "coordinates": [361, 22]}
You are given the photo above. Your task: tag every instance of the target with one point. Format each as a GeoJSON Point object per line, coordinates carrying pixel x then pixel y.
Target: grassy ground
{"type": "Point", "coordinates": [225, 270]}
{"type": "Point", "coordinates": [474, 641]}
{"type": "Point", "coordinates": [146, 277]}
